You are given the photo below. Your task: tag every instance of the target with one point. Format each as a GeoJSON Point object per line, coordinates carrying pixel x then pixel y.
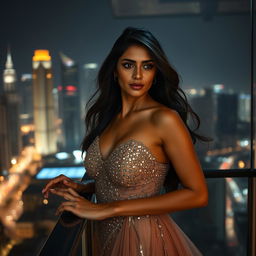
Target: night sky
{"type": "Point", "coordinates": [203, 52]}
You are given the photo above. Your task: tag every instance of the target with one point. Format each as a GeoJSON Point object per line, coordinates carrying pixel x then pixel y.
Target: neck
{"type": "Point", "coordinates": [133, 104]}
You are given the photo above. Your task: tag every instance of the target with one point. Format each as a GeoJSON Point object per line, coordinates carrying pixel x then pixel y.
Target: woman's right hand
{"type": "Point", "coordinates": [61, 182]}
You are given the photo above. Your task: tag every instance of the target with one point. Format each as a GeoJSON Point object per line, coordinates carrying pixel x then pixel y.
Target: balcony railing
{"type": "Point", "coordinates": [71, 234]}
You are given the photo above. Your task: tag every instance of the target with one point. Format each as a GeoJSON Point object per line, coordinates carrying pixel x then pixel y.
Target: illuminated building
{"type": "Point", "coordinates": [219, 115]}
{"type": "Point", "coordinates": [69, 98]}
{"type": "Point", "coordinates": [25, 91]}
{"type": "Point", "coordinates": [44, 115]}
{"type": "Point", "coordinates": [9, 75]}
{"type": "Point", "coordinates": [227, 118]}
{"type": "Point", "coordinates": [244, 116]}
{"type": "Point", "coordinates": [204, 97]}
{"type": "Point", "coordinates": [12, 103]}
{"type": "Point", "coordinates": [90, 71]}
{"type": "Point", "coordinates": [5, 149]}
{"type": "Point", "coordinates": [244, 107]}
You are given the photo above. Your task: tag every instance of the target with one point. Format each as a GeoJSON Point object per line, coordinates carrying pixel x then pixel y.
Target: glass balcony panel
{"type": "Point", "coordinates": [221, 227]}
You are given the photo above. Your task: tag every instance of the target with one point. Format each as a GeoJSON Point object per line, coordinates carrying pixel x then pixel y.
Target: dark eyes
{"type": "Point", "coordinates": [129, 65]}
{"type": "Point", "coordinates": [148, 66]}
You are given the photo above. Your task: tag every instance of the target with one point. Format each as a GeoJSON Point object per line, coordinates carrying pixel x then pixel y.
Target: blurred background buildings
{"type": "Point", "coordinates": [49, 75]}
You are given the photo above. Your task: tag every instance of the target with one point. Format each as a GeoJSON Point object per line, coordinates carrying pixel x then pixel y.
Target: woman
{"type": "Point", "coordinates": [137, 132]}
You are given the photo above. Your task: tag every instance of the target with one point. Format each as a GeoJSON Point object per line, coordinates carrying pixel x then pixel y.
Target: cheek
{"type": "Point", "coordinates": [121, 81]}
{"type": "Point", "coordinates": [123, 76]}
{"type": "Point", "coordinates": [150, 78]}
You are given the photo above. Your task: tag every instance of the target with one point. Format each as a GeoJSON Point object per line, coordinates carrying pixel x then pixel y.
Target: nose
{"type": "Point", "coordinates": [137, 74]}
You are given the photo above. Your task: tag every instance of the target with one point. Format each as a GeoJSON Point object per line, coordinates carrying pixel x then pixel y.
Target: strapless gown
{"type": "Point", "coordinates": [131, 171]}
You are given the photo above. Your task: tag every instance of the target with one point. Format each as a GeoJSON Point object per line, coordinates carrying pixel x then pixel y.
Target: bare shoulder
{"type": "Point", "coordinates": [168, 123]}
{"type": "Point", "coordinates": [164, 116]}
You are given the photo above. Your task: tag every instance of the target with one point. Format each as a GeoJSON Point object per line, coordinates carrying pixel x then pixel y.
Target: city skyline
{"type": "Point", "coordinates": [204, 52]}
{"type": "Point", "coordinates": [211, 51]}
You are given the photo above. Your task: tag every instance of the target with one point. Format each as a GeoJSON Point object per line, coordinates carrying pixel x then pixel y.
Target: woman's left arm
{"type": "Point", "coordinates": [179, 148]}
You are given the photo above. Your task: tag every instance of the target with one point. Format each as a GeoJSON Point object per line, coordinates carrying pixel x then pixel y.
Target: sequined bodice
{"type": "Point", "coordinates": [130, 171]}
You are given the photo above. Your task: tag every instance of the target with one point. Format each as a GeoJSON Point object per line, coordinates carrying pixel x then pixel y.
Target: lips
{"type": "Point", "coordinates": [136, 86]}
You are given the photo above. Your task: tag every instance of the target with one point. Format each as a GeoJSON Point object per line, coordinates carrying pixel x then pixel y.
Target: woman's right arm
{"type": "Point", "coordinates": [87, 187]}
{"type": "Point", "coordinates": [63, 182]}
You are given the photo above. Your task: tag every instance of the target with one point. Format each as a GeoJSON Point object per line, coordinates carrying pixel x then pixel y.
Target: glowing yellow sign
{"type": "Point", "coordinates": [41, 55]}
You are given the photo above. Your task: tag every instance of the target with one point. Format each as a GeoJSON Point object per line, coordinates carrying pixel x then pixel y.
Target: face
{"type": "Point", "coordinates": [135, 71]}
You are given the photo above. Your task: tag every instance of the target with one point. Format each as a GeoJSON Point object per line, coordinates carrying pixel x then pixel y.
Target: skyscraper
{"type": "Point", "coordinates": [227, 118]}
{"type": "Point", "coordinates": [9, 75]}
{"type": "Point", "coordinates": [44, 117]}
{"type": "Point", "coordinates": [5, 149]}
{"type": "Point", "coordinates": [218, 114]}
{"type": "Point", "coordinates": [25, 91]}
{"type": "Point", "coordinates": [88, 88]}
{"type": "Point", "coordinates": [90, 71]}
{"type": "Point", "coordinates": [11, 100]}
{"type": "Point", "coordinates": [69, 93]}
{"type": "Point", "coordinates": [206, 98]}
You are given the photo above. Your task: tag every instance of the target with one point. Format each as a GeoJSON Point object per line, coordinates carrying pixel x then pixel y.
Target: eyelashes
{"type": "Point", "coordinates": [128, 65]}
{"type": "Point", "coordinates": [148, 66]}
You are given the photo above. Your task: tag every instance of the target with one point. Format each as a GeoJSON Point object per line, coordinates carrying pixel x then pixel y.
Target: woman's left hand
{"type": "Point", "coordinates": [78, 205]}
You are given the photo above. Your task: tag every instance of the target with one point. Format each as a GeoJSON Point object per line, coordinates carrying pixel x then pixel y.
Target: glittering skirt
{"type": "Point", "coordinates": [151, 235]}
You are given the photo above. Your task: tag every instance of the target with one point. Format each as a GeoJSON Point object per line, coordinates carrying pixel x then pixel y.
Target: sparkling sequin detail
{"type": "Point", "coordinates": [128, 166]}
{"type": "Point", "coordinates": [130, 171]}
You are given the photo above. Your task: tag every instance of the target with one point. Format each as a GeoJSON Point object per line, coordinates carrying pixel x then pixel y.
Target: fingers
{"type": "Point", "coordinates": [79, 207]}
{"type": "Point", "coordinates": [70, 184]}
{"type": "Point", "coordinates": [52, 183]}
{"type": "Point", "coordinates": [73, 192]}
{"type": "Point", "coordinates": [66, 206]}
{"type": "Point", "coordinates": [58, 181]}
{"type": "Point", "coordinates": [68, 194]}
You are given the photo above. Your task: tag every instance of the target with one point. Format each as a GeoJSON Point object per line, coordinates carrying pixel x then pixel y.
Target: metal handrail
{"type": "Point", "coordinates": [66, 235]}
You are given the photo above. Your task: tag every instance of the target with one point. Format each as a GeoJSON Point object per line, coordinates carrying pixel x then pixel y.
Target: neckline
{"type": "Point", "coordinates": [122, 144]}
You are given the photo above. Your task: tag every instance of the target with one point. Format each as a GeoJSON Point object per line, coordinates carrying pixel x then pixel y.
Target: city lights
{"type": "Point", "coordinates": [90, 65]}
{"type": "Point", "coordinates": [41, 55]}
{"type": "Point", "coordinates": [71, 88]}
{"type": "Point", "coordinates": [244, 143]}
{"type": "Point", "coordinates": [43, 104]}
{"type": "Point", "coordinates": [218, 88]}
{"type": "Point", "coordinates": [27, 128]}
{"type": "Point", "coordinates": [26, 77]}
{"type": "Point", "coordinates": [75, 172]}
{"type": "Point", "coordinates": [78, 155]}
{"type": "Point", "coordinates": [13, 161]}
{"type": "Point", "coordinates": [241, 164]}
{"type": "Point", "coordinates": [62, 155]}
{"type": "Point", "coordinates": [11, 189]}
{"type": "Point", "coordinates": [45, 201]}
{"type": "Point", "coordinates": [50, 70]}
{"type": "Point", "coordinates": [49, 76]}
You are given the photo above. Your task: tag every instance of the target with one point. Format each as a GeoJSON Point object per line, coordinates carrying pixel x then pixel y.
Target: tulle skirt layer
{"type": "Point", "coordinates": [156, 235]}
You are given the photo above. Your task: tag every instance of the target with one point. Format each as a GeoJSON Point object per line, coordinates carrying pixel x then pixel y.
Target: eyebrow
{"type": "Point", "coordinates": [144, 61]}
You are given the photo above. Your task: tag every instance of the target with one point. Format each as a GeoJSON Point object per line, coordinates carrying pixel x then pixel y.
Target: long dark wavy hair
{"type": "Point", "coordinates": [164, 90]}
